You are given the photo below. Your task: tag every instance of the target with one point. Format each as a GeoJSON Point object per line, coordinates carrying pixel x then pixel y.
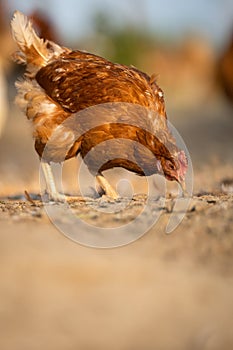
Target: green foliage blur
{"type": "Point", "coordinates": [125, 44]}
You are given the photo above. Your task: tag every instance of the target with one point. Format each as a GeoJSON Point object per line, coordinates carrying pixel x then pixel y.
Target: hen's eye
{"type": "Point", "coordinates": [171, 166]}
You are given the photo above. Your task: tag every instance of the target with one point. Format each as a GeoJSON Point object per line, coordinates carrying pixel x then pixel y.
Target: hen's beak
{"type": "Point", "coordinates": [183, 187]}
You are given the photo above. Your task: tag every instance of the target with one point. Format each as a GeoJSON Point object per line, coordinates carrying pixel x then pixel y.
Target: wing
{"type": "Point", "coordinates": [79, 80]}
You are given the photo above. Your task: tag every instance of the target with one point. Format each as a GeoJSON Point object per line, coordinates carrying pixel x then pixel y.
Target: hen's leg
{"type": "Point", "coordinates": [105, 185]}
{"type": "Point", "coordinates": [54, 195]}
{"type": "Point", "coordinates": [50, 183]}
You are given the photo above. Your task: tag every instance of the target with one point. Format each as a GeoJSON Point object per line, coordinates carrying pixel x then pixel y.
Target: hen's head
{"type": "Point", "coordinates": [175, 168]}
{"type": "Point", "coordinates": [174, 164]}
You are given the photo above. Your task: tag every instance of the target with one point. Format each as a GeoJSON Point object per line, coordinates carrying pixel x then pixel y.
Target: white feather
{"type": "Point", "coordinates": [26, 38]}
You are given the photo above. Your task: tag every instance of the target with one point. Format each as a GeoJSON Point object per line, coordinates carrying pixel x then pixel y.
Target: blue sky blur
{"type": "Point", "coordinates": [212, 19]}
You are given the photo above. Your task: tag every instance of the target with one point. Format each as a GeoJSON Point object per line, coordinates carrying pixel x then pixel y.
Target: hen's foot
{"type": "Point", "coordinates": [106, 187]}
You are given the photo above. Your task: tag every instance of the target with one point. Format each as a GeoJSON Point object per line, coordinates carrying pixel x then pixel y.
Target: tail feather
{"type": "Point", "coordinates": [33, 50]}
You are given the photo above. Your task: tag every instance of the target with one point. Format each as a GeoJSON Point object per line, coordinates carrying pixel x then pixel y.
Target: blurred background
{"type": "Point", "coordinates": [160, 292]}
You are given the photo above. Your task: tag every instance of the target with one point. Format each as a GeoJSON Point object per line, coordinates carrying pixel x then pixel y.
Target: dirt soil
{"type": "Point", "coordinates": [163, 291]}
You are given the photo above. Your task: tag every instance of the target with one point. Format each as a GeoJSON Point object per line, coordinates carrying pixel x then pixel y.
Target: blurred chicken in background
{"type": "Point", "coordinates": [43, 26]}
{"type": "Point", "coordinates": [225, 70]}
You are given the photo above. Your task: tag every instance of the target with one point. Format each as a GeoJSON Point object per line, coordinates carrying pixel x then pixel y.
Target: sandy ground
{"type": "Point", "coordinates": [160, 292]}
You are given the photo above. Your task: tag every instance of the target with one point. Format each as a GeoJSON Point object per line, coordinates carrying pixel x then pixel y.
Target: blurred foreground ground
{"type": "Point", "coordinates": [160, 292]}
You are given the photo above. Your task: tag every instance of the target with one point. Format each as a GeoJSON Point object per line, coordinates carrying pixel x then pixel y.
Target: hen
{"type": "Point", "coordinates": [62, 85]}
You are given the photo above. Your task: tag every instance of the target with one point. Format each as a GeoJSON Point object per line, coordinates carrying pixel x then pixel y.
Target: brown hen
{"type": "Point", "coordinates": [78, 102]}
